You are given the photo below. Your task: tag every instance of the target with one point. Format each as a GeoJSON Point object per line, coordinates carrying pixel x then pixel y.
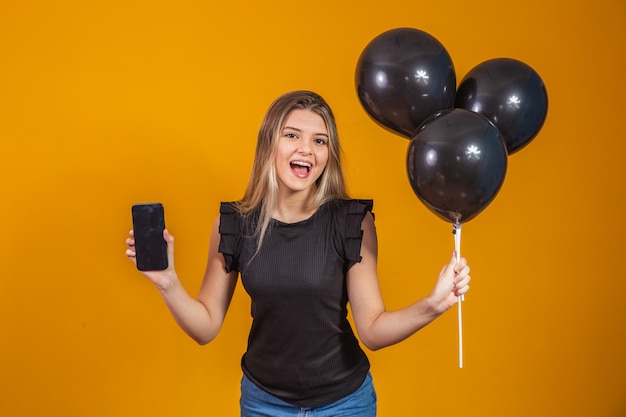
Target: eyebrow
{"type": "Point", "coordinates": [300, 130]}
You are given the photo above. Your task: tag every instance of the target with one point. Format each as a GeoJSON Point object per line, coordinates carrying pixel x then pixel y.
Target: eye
{"type": "Point", "coordinates": [289, 134]}
{"type": "Point", "coordinates": [321, 141]}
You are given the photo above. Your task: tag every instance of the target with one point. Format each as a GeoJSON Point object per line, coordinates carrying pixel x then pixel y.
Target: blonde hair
{"type": "Point", "coordinates": [262, 191]}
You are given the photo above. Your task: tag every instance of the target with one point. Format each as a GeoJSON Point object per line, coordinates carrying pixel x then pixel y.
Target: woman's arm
{"type": "Point", "coordinates": [377, 327]}
{"type": "Point", "coordinates": [200, 318]}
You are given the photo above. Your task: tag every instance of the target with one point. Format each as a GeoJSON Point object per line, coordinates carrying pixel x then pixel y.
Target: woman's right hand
{"type": "Point", "coordinates": [162, 279]}
{"type": "Point", "coordinates": [201, 317]}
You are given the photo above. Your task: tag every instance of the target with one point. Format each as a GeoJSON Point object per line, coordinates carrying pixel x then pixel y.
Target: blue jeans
{"type": "Point", "coordinates": [257, 403]}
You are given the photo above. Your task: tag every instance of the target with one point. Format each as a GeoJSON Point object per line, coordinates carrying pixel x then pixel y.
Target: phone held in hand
{"type": "Point", "coordinates": [150, 246]}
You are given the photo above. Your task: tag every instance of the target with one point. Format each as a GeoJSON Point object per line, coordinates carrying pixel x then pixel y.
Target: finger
{"type": "Point", "coordinates": [450, 265]}
{"type": "Point", "coordinates": [453, 259]}
{"type": "Point", "coordinates": [170, 241]}
{"type": "Point", "coordinates": [462, 270]}
{"type": "Point", "coordinates": [131, 232]}
{"type": "Point", "coordinates": [461, 291]}
{"type": "Point", "coordinates": [461, 282]}
{"type": "Point", "coordinates": [170, 246]}
{"type": "Point", "coordinates": [452, 262]}
{"type": "Point", "coordinates": [460, 265]}
{"type": "Point", "coordinates": [130, 241]}
{"type": "Point", "coordinates": [168, 236]}
{"type": "Point", "coordinates": [130, 253]}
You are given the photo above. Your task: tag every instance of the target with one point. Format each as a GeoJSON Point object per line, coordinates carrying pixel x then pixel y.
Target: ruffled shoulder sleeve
{"type": "Point", "coordinates": [229, 235]}
{"type": "Point", "coordinates": [353, 235]}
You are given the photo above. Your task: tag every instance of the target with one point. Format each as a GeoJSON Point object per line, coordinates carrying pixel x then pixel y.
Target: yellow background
{"type": "Point", "coordinates": [108, 103]}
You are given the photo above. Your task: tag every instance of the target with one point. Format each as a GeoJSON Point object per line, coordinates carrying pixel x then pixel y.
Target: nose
{"type": "Point", "coordinates": [305, 147]}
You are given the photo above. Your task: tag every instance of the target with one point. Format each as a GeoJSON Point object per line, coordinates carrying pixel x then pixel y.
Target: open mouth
{"type": "Point", "coordinates": [300, 167]}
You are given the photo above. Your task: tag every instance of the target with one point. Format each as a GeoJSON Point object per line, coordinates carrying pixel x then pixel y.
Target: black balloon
{"type": "Point", "coordinates": [403, 76]}
{"type": "Point", "coordinates": [510, 94]}
{"type": "Point", "coordinates": [456, 164]}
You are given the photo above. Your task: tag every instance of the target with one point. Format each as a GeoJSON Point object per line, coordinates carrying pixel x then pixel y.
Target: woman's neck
{"type": "Point", "coordinates": [294, 208]}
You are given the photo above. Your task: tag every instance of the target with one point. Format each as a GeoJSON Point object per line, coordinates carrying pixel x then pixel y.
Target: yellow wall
{"type": "Point", "coordinates": [107, 103]}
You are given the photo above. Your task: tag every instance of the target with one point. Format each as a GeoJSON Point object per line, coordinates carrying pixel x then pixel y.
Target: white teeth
{"type": "Point", "coordinates": [302, 164]}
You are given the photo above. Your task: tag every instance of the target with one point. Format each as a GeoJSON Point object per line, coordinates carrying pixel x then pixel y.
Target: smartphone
{"type": "Point", "coordinates": [150, 246]}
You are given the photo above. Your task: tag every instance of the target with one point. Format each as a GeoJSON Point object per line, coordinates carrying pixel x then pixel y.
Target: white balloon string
{"type": "Point", "coordinates": [457, 249]}
{"type": "Point", "coordinates": [457, 246]}
{"type": "Point", "coordinates": [460, 333]}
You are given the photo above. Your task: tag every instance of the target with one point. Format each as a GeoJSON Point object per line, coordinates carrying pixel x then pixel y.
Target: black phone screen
{"type": "Point", "coordinates": [150, 246]}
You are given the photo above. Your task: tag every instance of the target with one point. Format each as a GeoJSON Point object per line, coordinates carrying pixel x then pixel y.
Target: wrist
{"type": "Point", "coordinates": [433, 307]}
{"type": "Point", "coordinates": [167, 283]}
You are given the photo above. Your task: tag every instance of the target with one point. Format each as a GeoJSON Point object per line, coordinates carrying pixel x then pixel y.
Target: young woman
{"type": "Point", "coordinates": [303, 249]}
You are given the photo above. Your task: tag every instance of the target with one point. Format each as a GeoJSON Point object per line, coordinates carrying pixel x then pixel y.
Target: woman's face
{"type": "Point", "coordinates": [302, 151]}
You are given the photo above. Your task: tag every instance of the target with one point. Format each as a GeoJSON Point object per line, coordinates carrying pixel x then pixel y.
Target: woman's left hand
{"type": "Point", "coordinates": [452, 283]}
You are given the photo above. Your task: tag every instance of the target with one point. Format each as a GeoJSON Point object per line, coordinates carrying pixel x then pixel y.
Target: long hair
{"type": "Point", "coordinates": [262, 191]}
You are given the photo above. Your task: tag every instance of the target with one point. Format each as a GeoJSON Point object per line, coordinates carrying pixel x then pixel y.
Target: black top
{"type": "Point", "coordinates": [301, 347]}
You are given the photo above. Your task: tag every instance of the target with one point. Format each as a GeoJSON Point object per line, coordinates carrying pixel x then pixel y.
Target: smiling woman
{"type": "Point", "coordinates": [303, 250]}
{"type": "Point", "coordinates": [108, 103]}
{"type": "Point", "coordinates": [301, 157]}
